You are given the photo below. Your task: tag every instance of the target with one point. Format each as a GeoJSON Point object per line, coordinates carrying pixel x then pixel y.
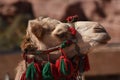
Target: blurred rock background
{"type": "Point", "coordinates": [14, 15]}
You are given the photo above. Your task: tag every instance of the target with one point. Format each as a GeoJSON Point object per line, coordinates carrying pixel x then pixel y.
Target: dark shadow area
{"type": "Point", "coordinates": [75, 9]}
{"type": "Point", "coordinates": [13, 23]}
{"type": "Point", "coordinates": [23, 7]}
{"type": "Point", "coordinates": [104, 77]}
{"type": "Point", "coordinates": [99, 10]}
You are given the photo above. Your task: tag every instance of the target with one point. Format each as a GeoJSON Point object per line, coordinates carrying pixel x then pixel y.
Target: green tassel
{"type": "Point", "coordinates": [46, 72]}
{"type": "Point", "coordinates": [30, 73]}
{"type": "Point", "coordinates": [63, 68]}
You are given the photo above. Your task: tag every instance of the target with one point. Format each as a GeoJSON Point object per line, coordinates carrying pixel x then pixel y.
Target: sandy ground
{"type": "Point", "coordinates": [8, 63]}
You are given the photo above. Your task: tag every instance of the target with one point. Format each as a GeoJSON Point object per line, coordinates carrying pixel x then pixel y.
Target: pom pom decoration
{"type": "Point", "coordinates": [33, 72]}
{"type": "Point", "coordinates": [46, 72]}
{"type": "Point", "coordinates": [49, 71]}
{"type": "Point", "coordinates": [30, 73]}
{"type": "Point", "coordinates": [71, 19]}
{"type": "Point", "coordinates": [38, 70]}
{"type": "Point", "coordinates": [65, 67]}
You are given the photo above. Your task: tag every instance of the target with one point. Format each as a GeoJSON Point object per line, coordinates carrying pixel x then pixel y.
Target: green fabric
{"type": "Point", "coordinates": [64, 44]}
{"type": "Point", "coordinates": [46, 72]}
{"type": "Point", "coordinates": [30, 73]}
{"type": "Point", "coordinates": [63, 68]}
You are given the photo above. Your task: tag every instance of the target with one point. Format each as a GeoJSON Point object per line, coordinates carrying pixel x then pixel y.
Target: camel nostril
{"type": "Point", "coordinates": [98, 30]}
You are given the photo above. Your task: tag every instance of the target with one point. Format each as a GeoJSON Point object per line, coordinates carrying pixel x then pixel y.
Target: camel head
{"type": "Point", "coordinates": [45, 32]}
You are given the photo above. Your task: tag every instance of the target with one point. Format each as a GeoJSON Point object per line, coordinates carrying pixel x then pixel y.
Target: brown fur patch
{"type": "Point", "coordinates": [27, 45]}
{"type": "Point", "coordinates": [37, 30]}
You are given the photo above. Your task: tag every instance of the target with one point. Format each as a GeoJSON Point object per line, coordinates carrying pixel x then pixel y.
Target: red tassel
{"type": "Point", "coordinates": [68, 65]}
{"type": "Point", "coordinates": [54, 71]}
{"type": "Point", "coordinates": [38, 69]}
{"type": "Point", "coordinates": [23, 76]}
{"type": "Point", "coordinates": [38, 74]}
{"type": "Point", "coordinates": [86, 63]}
{"type": "Point", "coordinates": [57, 64]}
{"type": "Point", "coordinates": [29, 60]}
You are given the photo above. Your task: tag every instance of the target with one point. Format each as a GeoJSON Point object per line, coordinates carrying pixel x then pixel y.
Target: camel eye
{"type": "Point", "coordinates": [61, 35]}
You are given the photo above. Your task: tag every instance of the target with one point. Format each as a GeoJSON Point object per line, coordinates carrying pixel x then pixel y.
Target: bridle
{"type": "Point", "coordinates": [64, 44]}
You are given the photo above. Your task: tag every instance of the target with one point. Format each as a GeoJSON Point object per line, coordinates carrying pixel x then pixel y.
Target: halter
{"type": "Point", "coordinates": [63, 64]}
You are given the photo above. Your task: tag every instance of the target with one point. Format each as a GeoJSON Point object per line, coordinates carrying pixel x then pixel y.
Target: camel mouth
{"type": "Point", "coordinates": [101, 39]}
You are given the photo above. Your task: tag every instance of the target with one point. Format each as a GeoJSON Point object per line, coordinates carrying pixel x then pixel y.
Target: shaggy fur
{"type": "Point", "coordinates": [45, 32]}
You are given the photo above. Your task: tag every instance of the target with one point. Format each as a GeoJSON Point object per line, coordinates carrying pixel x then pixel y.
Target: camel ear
{"type": "Point", "coordinates": [36, 28]}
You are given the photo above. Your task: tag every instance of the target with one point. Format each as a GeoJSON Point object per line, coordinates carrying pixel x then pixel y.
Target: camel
{"type": "Point", "coordinates": [44, 33]}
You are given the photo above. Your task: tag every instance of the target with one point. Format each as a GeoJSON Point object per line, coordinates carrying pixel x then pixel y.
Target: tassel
{"type": "Point", "coordinates": [49, 71]}
{"type": "Point", "coordinates": [54, 71]}
{"type": "Point", "coordinates": [33, 72]}
{"type": "Point", "coordinates": [38, 69]}
{"type": "Point", "coordinates": [23, 76]}
{"type": "Point", "coordinates": [86, 63]}
{"type": "Point", "coordinates": [30, 73]}
{"type": "Point", "coordinates": [46, 72]}
{"type": "Point", "coordinates": [65, 67]}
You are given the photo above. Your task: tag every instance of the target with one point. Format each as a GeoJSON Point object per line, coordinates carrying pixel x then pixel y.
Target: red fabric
{"type": "Point", "coordinates": [54, 71]}
{"type": "Point", "coordinates": [57, 65]}
{"type": "Point", "coordinates": [24, 56]}
{"type": "Point", "coordinates": [38, 69]}
{"type": "Point", "coordinates": [29, 60]}
{"type": "Point", "coordinates": [86, 63]}
{"type": "Point", "coordinates": [67, 64]}
{"type": "Point", "coordinates": [23, 76]}
{"type": "Point", "coordinates": [72, 30]}
{"type": "Point", "coordinates": [38, 74]}
{"type": "Point", "coordinates": [70, 18]}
